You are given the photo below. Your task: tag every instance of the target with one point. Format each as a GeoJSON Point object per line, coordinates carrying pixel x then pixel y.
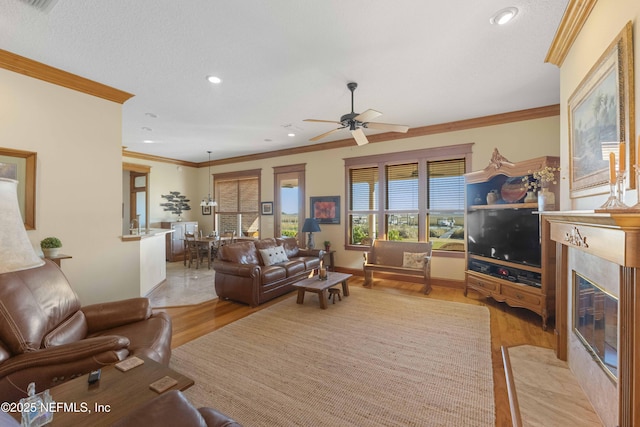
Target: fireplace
{"type": "Point", "coordinates": [595, 322]}
{"type": "Point", "coordinates": [597, 265]}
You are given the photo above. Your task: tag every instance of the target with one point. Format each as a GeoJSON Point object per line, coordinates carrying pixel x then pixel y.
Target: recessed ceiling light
{"type": "Point", "coordinates": [291, 134]}
{"type": "Point", "coordinates": [503, 16]}
{"type": "Point", "coordinates": [148, 141]}
{"type": "Point", "coordinates": [214, 79]}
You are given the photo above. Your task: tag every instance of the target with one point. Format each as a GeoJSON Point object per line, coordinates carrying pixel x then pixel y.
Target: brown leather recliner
{"type": "Point", "coordinates": [173, 409]}
{"type": "Point", "coordinates": [47, 338]}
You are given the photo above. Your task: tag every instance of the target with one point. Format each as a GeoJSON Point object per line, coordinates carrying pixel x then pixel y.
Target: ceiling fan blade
{"type": "Point", "coordinates": [319, 137]}
{"type": "Point", "coordinates": [359, 136]}
{"type": "Point", "coordinates": [367, 116]}
{"type": "Point", "coordinates": [322, 121]}
{"type": "Point", "coordinates": [387, 126]}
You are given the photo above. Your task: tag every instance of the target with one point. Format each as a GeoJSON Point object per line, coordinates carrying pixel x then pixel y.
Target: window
{"type": "Point", "coordinates": [410, 196]}
{"type": "Point", "coordinates": [238, 197]}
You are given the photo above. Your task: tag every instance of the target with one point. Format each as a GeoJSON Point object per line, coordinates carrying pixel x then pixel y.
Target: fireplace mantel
{"type": "Point", "coordinates": [615, 237]}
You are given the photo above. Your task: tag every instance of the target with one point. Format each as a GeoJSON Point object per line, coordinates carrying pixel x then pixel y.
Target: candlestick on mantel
{"type": "Point", "coordinates": [612, 168]}
{"type": "Point", "coordinates": [623, 157]}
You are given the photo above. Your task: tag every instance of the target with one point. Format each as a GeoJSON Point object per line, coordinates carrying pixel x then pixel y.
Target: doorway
{"type": "Point", "coordinates": [289, 198]}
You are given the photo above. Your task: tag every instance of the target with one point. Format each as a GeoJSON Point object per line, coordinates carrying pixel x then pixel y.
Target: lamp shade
{"type": "Point", "coordinates": [16, 251]}
{"type": "Point", "coordinates": [310, 226]}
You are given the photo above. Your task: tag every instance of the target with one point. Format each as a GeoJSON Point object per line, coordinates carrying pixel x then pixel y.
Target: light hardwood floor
{"type": "Point", "coordinates": [509, 326]}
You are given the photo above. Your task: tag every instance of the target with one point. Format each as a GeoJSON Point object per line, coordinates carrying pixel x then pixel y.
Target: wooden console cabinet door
{"type": "Point", "coordinates": [175, 240]}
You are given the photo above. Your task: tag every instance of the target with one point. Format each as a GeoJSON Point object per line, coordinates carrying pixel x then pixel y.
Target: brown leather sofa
{"type": "Point", "coordinates": [47, 338]}
{"type": "Point", "coordinates": [241, 273]}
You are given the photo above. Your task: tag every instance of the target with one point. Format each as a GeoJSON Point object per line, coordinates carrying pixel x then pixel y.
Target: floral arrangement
{"type": "Point", "coordinates": [541, 178]}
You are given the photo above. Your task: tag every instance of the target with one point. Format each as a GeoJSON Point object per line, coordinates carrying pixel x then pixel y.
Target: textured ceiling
{"type": "Point", "coordinates": [420, 62]}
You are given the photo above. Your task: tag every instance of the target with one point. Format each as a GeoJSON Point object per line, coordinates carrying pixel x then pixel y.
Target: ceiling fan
{"type": "Point", "coordinates": [356, 121]}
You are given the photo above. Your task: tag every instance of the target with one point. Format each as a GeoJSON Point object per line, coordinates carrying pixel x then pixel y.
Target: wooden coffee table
{"type": "Point", "coordinates": [114, 396]}
{"type": "Point", "coordinates": [317, 286]}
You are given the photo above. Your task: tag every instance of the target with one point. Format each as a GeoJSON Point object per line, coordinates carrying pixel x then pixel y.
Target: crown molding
{"type": "Point", "coordinates": [572, 22]}
{"type": "Point", "coordinates": [496, 119]}
{"type": "Point", "coordinates": [37, 70]}
{"type": "Point", "coordinates": [160, 159]}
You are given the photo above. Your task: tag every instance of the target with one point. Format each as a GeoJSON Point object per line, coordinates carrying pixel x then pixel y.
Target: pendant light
{"type": "Point", "coordinates": [209, 201]}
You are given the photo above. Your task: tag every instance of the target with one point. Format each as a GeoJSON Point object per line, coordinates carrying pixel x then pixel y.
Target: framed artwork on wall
{"type": "Point", "coordinates": [206, 210]}
{"type": "Point", "coordinates": [601, 116]}
{"type": "Point", "coordinates": [326, 210]}
{"type": "Point", "coordinates": [21, 166]}
{"type": "Point", "coordinates": [266, 208]}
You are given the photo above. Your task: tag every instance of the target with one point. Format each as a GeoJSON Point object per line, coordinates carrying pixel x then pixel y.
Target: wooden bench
{"type": "Point", "coordinates": [399, 258]}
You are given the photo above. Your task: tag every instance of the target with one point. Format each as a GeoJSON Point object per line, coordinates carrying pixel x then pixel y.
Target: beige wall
{"type": "Point", "coordinates": [79, 180]}
{"type": "Point", "coordinates": [604, 24]}
{"type": "Point", "coordinates": [325, 174]}
{"type": "Point", "coordinates": [606, 20]}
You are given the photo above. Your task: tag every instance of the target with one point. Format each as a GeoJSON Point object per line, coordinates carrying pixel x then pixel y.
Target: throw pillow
{"type": "Point", "coordinates": [413, 259]}
{"type": "Point", "coordinates": [273, 255]}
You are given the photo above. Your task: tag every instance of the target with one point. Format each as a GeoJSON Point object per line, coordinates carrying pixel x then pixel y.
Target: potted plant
{"type": "Point", "coordinates": [50, 246]}
{"type": "Point", "coordinates": [327, 245]}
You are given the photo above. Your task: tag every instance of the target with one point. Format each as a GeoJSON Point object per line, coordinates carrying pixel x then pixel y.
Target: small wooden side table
{"type": "Point", "coordinates": [58, 258]}
{"type": "Point", "coordinates": [332, 265]}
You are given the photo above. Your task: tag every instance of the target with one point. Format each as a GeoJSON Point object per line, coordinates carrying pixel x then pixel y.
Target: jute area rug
{"type": "Point", "coordinates": [372, 359]}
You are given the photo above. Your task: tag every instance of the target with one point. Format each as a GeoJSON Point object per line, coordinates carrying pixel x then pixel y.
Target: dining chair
{"type": "Point", "coordinates": [229, 236]}
{"type": "Point", "coordinates": [195, 251]}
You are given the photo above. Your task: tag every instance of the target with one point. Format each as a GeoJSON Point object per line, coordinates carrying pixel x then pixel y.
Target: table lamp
{"type": "Point", "coordinates": [310, 226]}
{"type": "Point", "coordinates": [16, 251]}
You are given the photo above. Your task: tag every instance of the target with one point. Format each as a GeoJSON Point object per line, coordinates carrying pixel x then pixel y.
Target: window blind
{"type": "Point", "coordinates": [446, 184]}
{"type": "Point", "coordinates": [364, 189]}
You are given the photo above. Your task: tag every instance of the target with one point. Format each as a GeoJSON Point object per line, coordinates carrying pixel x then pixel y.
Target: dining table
{"type": "Point", "coordinates": [210, 243]}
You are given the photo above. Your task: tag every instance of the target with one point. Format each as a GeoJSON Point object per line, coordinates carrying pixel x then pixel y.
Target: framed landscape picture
{"type": "Point", "coordinates": [326, 210]}
{"type": "Point", "coordinates": [600, 118]}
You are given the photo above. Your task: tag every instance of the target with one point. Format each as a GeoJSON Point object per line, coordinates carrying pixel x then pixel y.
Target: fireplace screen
{"type": "Point", "coordinates": [596, 322]}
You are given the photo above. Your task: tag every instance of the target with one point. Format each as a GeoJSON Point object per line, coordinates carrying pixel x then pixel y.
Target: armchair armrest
{"type": "Point", "coordinates": [319, 253]}
{"type": "Point", "coordinates": [62, 354]}
{"type": "Point", "coordinates": [110, 315]}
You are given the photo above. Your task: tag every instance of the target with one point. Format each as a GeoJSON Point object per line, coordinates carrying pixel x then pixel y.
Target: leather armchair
{"type": "Point", "coordinates": [173, 409]}
{"type": "Point", "coordinates": [46, 337]}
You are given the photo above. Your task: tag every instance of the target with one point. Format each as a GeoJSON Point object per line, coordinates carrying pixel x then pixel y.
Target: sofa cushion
{"type": "Point", "coordinates": [268, 242]}
{"type": "Point", "coordinates": [33, 302]}
{"type": "Point", "coordinates": [240, 253]}
{"type": "Point", "coordinates": [290, 245]}
{"type": "Point", "coordinates": [413, 259]}
{"type": "Point", "coordinates": [71, 330]}
{"type": "Point", "coordinates": [273, 255]}
{"type": "Point", "coordinates": [294, 267]}
{"type": "Point", "coordinates": [273, 273]}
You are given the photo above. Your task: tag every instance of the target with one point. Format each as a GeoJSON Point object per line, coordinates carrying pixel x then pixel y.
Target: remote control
{"type": "Point", "coordinates": [94, 376]}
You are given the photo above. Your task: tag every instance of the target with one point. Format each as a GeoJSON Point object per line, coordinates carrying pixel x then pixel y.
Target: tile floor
{"type": "Point", "coordinates": [184, 286]}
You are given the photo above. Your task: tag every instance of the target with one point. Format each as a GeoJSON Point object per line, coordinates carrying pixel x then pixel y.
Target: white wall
{"type": "Point", "coordinates": [78, 139]}
{"type": "Point", "coordinates": [325, 175]}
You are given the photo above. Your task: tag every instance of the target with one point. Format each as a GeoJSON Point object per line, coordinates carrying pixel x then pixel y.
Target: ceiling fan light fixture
{"type": "Point", "coordinates": [503, 16]}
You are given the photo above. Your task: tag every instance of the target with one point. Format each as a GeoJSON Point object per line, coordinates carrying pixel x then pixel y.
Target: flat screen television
{"type": "Point", "coordinates": [506, 234]}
